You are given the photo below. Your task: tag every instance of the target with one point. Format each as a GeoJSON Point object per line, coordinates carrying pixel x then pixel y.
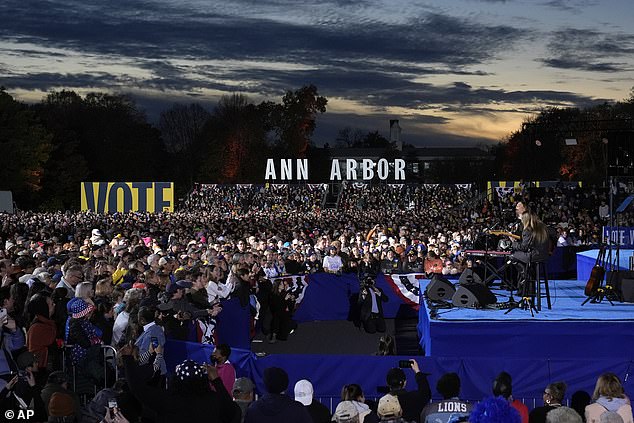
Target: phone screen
{"type": "Point", "coordinates": [155, 342]}
{"type": "Point", "coordinates": [404, 364]}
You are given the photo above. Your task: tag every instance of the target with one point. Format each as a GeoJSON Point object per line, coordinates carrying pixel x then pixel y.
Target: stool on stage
{"type": "Point", "coordinates": [534, 275]}
{"type": "Point", "coordinates": [540, 271]}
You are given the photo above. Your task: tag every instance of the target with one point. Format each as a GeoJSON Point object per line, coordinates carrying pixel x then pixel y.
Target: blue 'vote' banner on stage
{"type": "Point", "coordinates": [621, 235]}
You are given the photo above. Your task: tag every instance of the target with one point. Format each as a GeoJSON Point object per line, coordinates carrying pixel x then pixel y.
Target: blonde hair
{"type": "Point", "coordinates": [532, 223]}
{"type": "Point", "coordinates": [103, 288]}
{"type": "Point", "coordinates": [83, 290]}
{"type": "Point", "coordinates": [609, 386]}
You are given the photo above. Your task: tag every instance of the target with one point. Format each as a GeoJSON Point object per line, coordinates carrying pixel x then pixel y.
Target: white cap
{"type": "Point", "coordinates": [304, 392]}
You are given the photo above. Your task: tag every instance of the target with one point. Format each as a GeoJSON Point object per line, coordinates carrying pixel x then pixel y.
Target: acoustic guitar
{"type": "Point", "coordinates": [597, 274]}
{"type": "Point", "coordinates": [505, 233]}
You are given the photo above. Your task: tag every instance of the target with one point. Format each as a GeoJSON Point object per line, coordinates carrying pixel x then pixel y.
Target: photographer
{"type": "Point", "coordinates": [412, 402]}
{"type": "Point", "coordinates": [371, 299]}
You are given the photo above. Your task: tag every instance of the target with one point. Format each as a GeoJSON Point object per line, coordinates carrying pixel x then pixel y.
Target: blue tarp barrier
{"type": "Point", "coordinates": [329, 373]}
{"type": "Point", "coordinates": [233, 324]}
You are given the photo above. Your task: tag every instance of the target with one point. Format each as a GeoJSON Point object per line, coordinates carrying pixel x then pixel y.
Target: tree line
{"type": "Point", "coordinates": [51, 146]}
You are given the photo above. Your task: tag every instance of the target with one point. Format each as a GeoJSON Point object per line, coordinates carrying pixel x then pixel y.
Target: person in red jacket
{"type": "Point", "coordinates": [41, 334]}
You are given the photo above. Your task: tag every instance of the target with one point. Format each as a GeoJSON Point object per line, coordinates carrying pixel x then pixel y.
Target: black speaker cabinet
{"type": "Point", "coordinates": [473, 296]}
{"type": "Point", "coordinates": [469, 277]}
{"type": "Point", "coordinates": [627, 290]}
{"type": "Point", "coordinates": [440, 289]}
{"type": "Point", "coordinates": [623, 283]}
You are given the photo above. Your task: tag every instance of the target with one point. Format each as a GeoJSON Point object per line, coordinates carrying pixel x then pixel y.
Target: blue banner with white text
{"type": "Point", "coordinates": [619, 235]}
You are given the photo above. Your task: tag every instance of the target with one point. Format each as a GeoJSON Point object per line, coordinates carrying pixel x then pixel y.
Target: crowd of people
{"type": "Point", "coordinates": [73, 283]}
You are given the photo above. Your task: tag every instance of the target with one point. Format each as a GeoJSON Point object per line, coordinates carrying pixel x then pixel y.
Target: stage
{"type": "Point", "coordinates": [587, 259]}
{"type": "Point", "coordinates": [568, 331]}
{"type": "Point", "coordinates": [570, 342]}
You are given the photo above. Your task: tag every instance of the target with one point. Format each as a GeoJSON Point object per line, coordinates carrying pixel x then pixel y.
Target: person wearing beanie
{"type": "Point", "coordinates": [304, 394]}
{"type": "Point", "coordinates": [61, 408]}
{"type": "Point", "coordinates": [58, 383]}
{"type": "Point", "coordinates": [275, 406]}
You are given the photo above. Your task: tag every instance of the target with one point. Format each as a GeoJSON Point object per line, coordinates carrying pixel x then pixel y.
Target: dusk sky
{"type": "Point", "coordinates": [455, 72]}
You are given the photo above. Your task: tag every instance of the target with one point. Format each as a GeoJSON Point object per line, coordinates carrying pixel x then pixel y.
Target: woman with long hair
{"type": "Point", "coordinates": [534, 244]}
{"type": "Point", "coordinates": [352, 392]}
{"type": "Point", "coordinates": [609, 396]}
{"type": "Point", "coordinates": [41, 334]}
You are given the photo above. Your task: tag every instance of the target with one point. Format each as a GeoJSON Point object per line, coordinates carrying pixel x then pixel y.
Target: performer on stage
{"type": "Point", "coordinates": [521, 208]}
{"type": "Point", "coordinates": [534, 244]}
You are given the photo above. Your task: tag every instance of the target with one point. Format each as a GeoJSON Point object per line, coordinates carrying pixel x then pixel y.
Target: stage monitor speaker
{"type": "Point", "coordinates": [473, 296]}
{"type": "Point", "coordinates": [627, 290]}
{"type": "Point", "coordinates": [469, 277]}
{"type": "Point", "coordinates": [440, 289]}
{"type": "Point", "coordinates": [623, 283]}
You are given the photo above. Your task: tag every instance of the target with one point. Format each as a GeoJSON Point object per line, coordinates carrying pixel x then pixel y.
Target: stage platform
{"type": "Point", "coordinates": [568, 331]}
{"type": "Point", "coordinates": [587, 259]}
{"type": "Point", "coordinates": [570, 342]}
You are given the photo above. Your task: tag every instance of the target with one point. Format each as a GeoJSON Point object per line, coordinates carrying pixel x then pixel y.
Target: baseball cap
{"type": "Point", "coordinates": [304, 392]}
{"type": "Point", "coordinates": [389, 406]}
{"type": "Point", "coordinates": [172, 287]}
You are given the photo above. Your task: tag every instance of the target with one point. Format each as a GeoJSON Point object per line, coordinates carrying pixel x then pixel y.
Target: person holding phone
{"type": "Point", "coordinates": [412, 402]}
{"type": "Point", "coordinates": [152, 336]}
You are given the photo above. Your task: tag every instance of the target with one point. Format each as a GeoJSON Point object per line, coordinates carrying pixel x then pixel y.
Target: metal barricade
{"type": "Point", "coordinates": [109, 356]}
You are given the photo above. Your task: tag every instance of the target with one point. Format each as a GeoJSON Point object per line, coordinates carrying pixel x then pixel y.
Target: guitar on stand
{"type": "Point", "coordinates": [595, 290]}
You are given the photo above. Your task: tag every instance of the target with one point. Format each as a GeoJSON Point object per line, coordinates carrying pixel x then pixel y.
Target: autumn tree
{"type": "Point", "coordinates": [234, 142]}
{"type": "Point", "coordinates": [295, 120]}
{"type": "Point", "coordinates": [25, 144]}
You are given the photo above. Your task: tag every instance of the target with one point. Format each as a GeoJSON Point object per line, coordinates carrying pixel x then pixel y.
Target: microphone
{"type": "Point", "coordinates": [490, 228]}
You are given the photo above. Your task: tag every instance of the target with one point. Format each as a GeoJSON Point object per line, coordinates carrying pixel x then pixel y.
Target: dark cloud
{"type": "Point", "coordinates": [565, 63]}
{"type": "Point", "coordinates": [45, 81]}
{"type": "Point", "coordinates": [589, 50]}
{"type": "Point", "coordinates": [130, 29]}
